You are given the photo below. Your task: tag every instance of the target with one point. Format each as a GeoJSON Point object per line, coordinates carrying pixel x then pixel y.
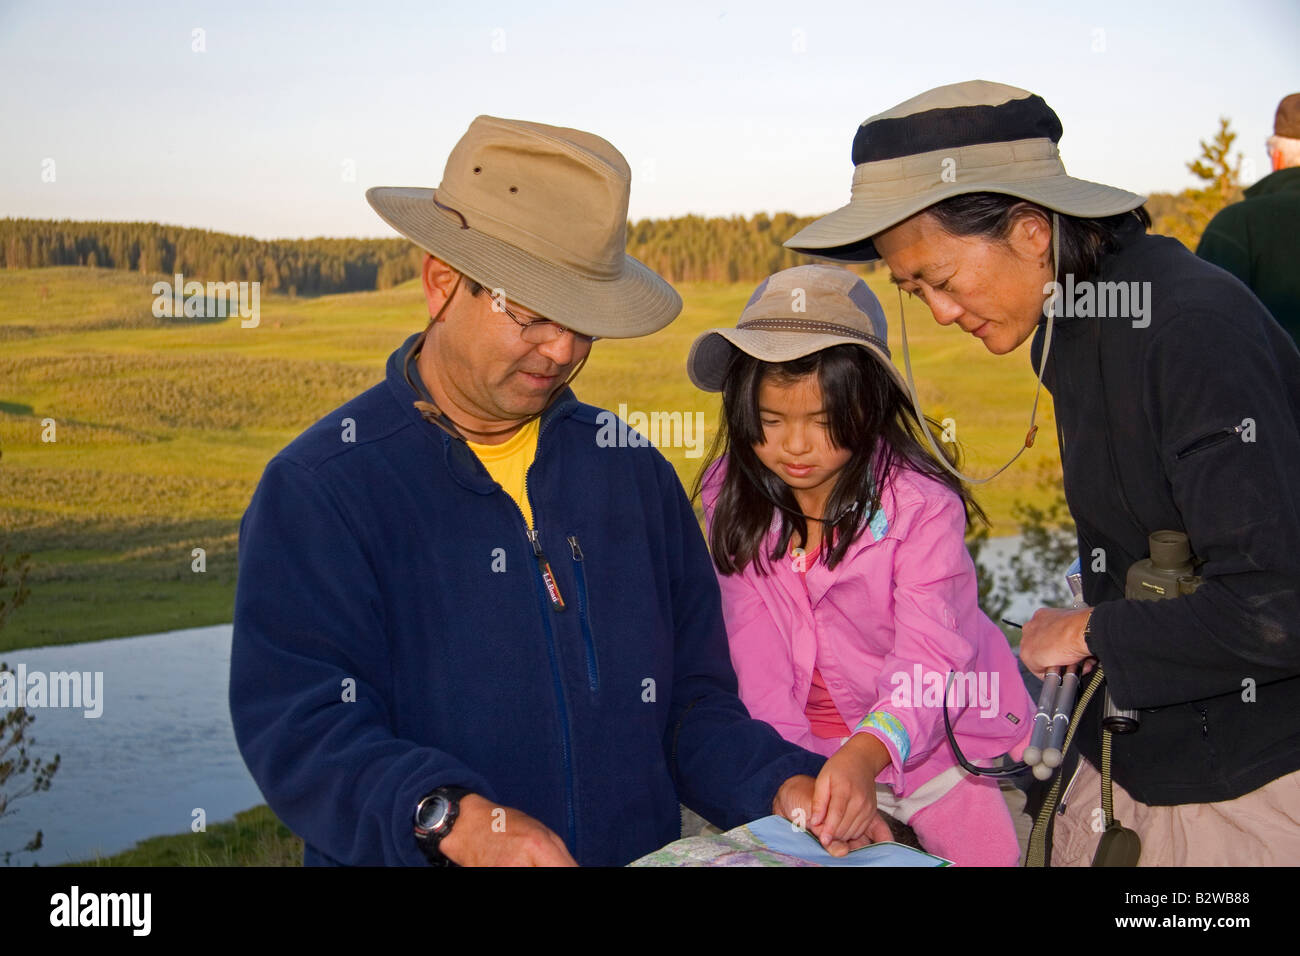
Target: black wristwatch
{"type": "Point", "coordinates": [434, 816]}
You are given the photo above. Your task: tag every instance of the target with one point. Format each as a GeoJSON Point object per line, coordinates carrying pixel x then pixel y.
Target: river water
{"type": "Point", "coordinates": [162, 747]}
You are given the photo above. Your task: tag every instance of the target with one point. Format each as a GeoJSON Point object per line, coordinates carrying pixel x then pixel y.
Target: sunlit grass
{"type": "Point", "coordinates": [163, 426]}
{"type": "Point", "coordinates": [254, 837]}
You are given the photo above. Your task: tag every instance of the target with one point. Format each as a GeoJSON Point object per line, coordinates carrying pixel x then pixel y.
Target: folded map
{"type": "Point", "coordinates": [775, 841]}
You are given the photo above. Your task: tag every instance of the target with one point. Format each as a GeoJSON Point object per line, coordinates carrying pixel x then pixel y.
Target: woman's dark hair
{"type": "Point", "coordinates": [867, 411]}
{"type": "Point", "coordinates": [1083, 241]}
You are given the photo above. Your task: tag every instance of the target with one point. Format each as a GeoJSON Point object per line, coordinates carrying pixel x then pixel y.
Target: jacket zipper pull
{"type": "Point", "coordinates": [548, 578]}
{"type": "Point", "coordinates": [573, 546]}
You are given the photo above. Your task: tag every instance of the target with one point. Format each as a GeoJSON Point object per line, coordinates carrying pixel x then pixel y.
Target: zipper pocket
{"type": "Point", "coordinates": [584, 612]}
{"type": "Point", "coordinates": [557, 686]}
{"type": "Point", "coordinates": [548, 577]}
{"type": "Point", "coordinates": [1208, 441]}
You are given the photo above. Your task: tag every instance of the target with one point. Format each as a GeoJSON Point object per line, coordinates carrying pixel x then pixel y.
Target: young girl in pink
{"type": "Point", "coordinates": [848, 592]}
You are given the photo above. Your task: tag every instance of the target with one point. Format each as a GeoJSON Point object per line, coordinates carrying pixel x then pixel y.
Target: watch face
{"type": "Point", "coordinates": [432, 812]}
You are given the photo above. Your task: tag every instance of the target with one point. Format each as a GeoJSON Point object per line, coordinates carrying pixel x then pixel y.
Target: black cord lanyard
{"type": "Point", "coordinates": [432, 414]}
{"type": "Point", "coordinates": [1014, 770]}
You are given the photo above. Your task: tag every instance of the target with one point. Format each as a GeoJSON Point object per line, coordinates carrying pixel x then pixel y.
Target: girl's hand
{"type": "Point", "coordinates": [844, 813]}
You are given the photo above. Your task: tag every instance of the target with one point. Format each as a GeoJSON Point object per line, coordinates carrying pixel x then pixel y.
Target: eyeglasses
{"type": "Point", "coordinates": [539, 331]}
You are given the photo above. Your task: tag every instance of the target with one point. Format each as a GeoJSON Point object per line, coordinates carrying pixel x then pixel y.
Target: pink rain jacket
{"type": "Point", "coordinates": [884, 628]}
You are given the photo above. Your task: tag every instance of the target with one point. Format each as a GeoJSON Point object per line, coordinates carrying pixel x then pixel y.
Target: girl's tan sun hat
{"type": "Point", "coordinates": [791, 314]}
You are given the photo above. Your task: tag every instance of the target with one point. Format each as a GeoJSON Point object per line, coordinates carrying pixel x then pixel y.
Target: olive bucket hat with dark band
{"type": "Point", "coordinates": [968, 137]}
{"type": "Point", "coordinates": [972, 137]}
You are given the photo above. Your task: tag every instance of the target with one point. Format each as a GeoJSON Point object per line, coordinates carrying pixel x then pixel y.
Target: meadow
{"type": "Point", "coordinates": [162, 427]}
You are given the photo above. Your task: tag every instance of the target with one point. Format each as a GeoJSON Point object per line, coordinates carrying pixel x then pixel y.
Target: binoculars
{"type": "Point", "coordinates": [1167, 573]}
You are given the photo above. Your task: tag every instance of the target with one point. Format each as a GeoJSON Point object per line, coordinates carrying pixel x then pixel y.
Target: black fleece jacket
{"type": "Point", "coordinates": [1185, 415]}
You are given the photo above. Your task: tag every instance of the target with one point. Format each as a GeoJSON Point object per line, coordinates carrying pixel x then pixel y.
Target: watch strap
{"type": "Point", "coordinates": [430, 839]}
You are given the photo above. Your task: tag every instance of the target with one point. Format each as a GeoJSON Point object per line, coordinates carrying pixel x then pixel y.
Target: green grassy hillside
{"type": "Point", "coordinates": [163, 426]}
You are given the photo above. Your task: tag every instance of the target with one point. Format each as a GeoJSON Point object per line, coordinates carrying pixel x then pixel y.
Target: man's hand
{"type": "Point", "coordinates": [487, 835]}
{"type": "Point", "coordinates": [795, 799]}
{"type": "Point", "coordinates": [1053, 637]}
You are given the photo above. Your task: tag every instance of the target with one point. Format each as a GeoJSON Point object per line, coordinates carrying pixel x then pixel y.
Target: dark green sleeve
{"type": "Point", "coordinates": [1226, 244]}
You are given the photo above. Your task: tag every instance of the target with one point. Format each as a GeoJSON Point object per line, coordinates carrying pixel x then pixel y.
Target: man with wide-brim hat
{"type": "Point", "coordinates": [467, 630]}
{"type": "Point", "coordinates": [1177, 400]}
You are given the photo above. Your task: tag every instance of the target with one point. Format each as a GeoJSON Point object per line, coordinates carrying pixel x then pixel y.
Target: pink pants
{"type": "Point", "coordinates": [969, 825]}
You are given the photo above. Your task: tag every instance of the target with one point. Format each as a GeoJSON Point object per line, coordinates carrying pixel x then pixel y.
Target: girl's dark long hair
{"type": "Point", "coordinates": [867, 412]}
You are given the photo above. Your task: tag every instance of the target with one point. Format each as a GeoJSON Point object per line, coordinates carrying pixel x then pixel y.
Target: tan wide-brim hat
{"type": "Point", "coordinates": [793, 313]}
{"type": "Point", "coordinates": [964, 138]}
{"type": "Point", "coordinates": [540, 213]}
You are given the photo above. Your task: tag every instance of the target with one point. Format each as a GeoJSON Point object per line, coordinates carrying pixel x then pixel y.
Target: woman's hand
{"type": "Point", "coordinates": [1053, 637]}
{"type": "Point", "coordinates": [844, 814]}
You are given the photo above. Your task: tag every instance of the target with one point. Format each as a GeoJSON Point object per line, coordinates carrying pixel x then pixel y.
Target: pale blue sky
{"type": "Point", "coordinates": [720, 108]}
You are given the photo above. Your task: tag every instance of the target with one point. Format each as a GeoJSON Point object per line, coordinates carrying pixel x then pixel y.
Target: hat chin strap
{"type": "Point", "coordinates": [432, 414]}
{"type": "Point", "coordinates": [1042, 365]}
{"type": "Point", "coordinates": [436, 416]}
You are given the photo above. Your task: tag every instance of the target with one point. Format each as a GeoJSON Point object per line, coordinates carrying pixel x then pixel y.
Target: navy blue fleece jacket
{"type": "Point", "coordinates": [392, 634]}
